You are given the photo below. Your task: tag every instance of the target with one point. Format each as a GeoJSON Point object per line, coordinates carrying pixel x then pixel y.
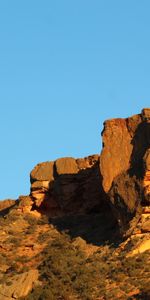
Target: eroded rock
{"type": "Point", "coordinates": [43, 172]}
{"type": "Point", "coordinates": [75, 186]}
{"type": "Point", "coordinates": [125, 164]}
{"type": "Point", "coordinates": [66, 165]}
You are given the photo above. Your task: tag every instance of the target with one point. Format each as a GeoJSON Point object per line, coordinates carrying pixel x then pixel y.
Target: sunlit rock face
{"type": "Point", "coordinates": [146, 180]}
{"type": "Point", "coordinates": [118, 180]}
{"type": "Point", "coordinates": [125, 164]}
{"type": "Point", "coordinates": [68, 186]}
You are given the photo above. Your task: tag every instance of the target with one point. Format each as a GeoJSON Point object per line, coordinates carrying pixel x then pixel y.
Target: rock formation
{"type": "Point", "coordinates": [67, 186]}
{"type": "Point", "coordinates": [119, 178]}
{"type": "Point", "coordinates": [65, 232]}
{"type": "Point", "coordinates": [125, 165]}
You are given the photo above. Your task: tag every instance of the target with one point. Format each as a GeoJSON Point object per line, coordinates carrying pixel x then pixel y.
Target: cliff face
{"type": "Point", "coordinates": [125, 165]}
{"type": "Point", "coordinates": [117, 180]}
{"type": "Point", "coordinates": [68, 186]}
{"type": "Point", "coordinates": [65, 235]}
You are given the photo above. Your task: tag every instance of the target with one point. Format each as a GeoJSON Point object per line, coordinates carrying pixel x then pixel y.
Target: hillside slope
{"type": "Point", "coordinates": [83, 232]}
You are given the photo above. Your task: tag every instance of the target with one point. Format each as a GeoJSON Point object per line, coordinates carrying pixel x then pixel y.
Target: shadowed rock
{"type": "Point", "coordinates": [120, 176]}
{"type": "Point", "coordinates": [73, 187]}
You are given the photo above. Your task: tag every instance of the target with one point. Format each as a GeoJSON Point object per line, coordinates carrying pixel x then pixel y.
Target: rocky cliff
{"type": "Point", "coordinates": [117, 180]}
{"type": "Point", "coordinates": [68, 186]}
{"type": "Point", "coordinates": [125, 166]}
{"type": "Point", "coordinates": [66, 233]}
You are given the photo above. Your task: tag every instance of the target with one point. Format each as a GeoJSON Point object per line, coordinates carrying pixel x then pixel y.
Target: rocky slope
{"type": "Point", "coordinates": [6, 205]}
{"type": "Point", "coordinates": [83, 220]}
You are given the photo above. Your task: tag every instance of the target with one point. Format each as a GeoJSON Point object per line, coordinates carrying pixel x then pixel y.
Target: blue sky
{"type": "Point", "coordinates": [65, 67]}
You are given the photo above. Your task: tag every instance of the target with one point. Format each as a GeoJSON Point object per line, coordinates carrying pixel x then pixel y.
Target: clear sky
{"type": "Point", "coordinates": [65, 67]}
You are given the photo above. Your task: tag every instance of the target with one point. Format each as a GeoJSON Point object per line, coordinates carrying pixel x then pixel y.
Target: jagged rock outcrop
{"type": "Point", "coordinates": [121, 174]}
{"type": "Point", "coordinates": [125, 165]}
{"type": "Point", "coordinates": [68, 185]}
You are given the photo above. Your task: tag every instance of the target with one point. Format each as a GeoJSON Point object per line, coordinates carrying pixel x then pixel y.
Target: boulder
{"type": "Point", "coordinates": [66, 165]}
{"type": "Point", "coordinates": [43, 172]}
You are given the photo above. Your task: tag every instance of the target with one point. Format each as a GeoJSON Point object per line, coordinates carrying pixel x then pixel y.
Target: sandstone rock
{"type": "Point", "coordinates": [66, 165]}
{"type": "Point", "coordinates": [20, 287]}
{"type": "Point", "coordinates": [127, 189]}
{"type": "Point", "coordinates": [42, 185]}
{"type": "Point", "coordinates": [146, 180]}
{"type": "Point", "coordinates": [87, 162]}
{"type": "Point", "coordinates": [38, 197]}
{"type": "Point", "coordinates": [76, 187]}
{"type": "Point", "coordinates": [43, 171]}
{"type": "Point", "coordinates": [125, 142]}
{"type": "Point", "coordinates": [117, 148]}
{"type": "Point", "coordinates": [125, 163]}
{"type": "Point", "coordinates": [146, 114]}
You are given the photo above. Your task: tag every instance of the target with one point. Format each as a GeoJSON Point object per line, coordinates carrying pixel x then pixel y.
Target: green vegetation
{"type": "Point", "coordinates": [67, 270]}
{"type": "Point", "coordinates": [66, 273]}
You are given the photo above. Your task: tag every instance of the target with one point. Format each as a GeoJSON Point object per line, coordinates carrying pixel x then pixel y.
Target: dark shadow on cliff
{"type": "Point", "coordinates": [82, 208]}
{"type": "Point", "coordinates": [140, 142]}
{"type": "Point", "coordinates": [80, 193]}
{"type": "Point", "coordinates": [96, 229]}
